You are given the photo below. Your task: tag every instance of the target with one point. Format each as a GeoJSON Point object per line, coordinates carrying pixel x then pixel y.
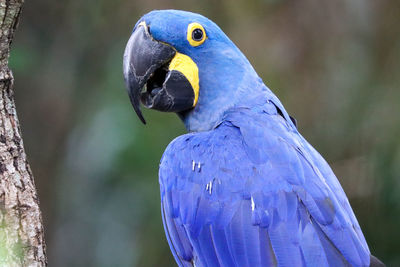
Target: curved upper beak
{"type": "Point", "coordinates": [142, 57]}
{"type": "Point", "coordinates": [147, 62]}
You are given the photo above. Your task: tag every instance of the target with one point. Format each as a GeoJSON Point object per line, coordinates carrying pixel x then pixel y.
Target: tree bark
{"type": "Point", "coordinates": [21, 230]}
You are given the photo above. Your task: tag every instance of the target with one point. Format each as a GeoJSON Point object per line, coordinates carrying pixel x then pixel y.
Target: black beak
{"type": "Point", "coordinates": [146, 63]}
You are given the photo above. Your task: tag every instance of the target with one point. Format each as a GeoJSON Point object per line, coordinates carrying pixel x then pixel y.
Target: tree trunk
{"type": "Point", "coordinates": [21, 229]}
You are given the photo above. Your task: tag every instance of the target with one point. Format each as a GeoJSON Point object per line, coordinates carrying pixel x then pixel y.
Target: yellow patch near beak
{"type": "Point", "coordinates": [185, 65]}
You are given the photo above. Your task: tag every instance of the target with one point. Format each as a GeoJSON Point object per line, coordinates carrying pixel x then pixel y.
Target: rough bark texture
{"type": "Point", "coordinates": [21, 229]}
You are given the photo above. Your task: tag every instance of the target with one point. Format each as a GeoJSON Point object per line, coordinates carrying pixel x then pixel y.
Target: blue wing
{"type": "Point", "coordinates": [253, 192]}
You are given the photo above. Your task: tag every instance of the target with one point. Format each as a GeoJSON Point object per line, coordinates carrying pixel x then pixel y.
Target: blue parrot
{"type": "Point", "coordinates": [243, 187]}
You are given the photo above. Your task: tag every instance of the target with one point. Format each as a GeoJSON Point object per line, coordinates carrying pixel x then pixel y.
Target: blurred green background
{"type": "Point", "coordinates": [334, 64]}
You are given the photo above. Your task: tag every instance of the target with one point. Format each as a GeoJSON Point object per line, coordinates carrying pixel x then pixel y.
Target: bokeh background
{"type": "Point", "coordinates": [334, 64]}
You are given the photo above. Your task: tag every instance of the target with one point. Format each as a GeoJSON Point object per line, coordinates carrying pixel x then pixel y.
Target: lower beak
{"type": "Point", "coordinates": [147, 62]}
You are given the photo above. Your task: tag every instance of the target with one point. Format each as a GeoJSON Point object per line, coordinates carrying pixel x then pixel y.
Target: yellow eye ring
{"type": "Point", "coordinates": [196, 35]}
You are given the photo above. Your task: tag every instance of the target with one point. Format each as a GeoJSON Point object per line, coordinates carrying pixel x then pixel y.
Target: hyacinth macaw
{"type": "Point", "coordinates": [243, 187]}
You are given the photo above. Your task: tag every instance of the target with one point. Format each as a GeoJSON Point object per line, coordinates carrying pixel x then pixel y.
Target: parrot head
{"type": "Point", "coordinates": [178, 61]}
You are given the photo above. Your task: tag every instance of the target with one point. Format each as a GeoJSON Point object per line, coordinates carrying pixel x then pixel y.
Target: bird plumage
{"type": "Point", "coordinates": [253, 192]}
{"type": "Point", "coordinates": [243, 188]}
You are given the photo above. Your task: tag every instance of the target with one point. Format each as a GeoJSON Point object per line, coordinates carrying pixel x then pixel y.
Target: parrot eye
{"type": "Point", "coordinates": [196, 34]}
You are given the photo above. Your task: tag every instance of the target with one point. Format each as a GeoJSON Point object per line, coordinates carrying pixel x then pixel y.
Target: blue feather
{"type": "Point", "coordinates": [255, 210]}
{"type": "Point", "coordinates": [244, 188]}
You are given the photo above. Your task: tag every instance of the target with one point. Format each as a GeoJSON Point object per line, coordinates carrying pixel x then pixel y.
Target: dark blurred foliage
{"type": "Point", "coordinates": [334, 64]}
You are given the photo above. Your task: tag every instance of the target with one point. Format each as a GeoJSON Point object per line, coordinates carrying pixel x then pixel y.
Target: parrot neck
{"type": "Point", "coordinates": [227, 82]}
{"type": "Point", "coordinates": [209, 115]}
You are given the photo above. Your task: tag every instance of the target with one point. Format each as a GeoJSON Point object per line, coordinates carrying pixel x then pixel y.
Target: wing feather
{"type": "Point", "coordinates": [254, 193]}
